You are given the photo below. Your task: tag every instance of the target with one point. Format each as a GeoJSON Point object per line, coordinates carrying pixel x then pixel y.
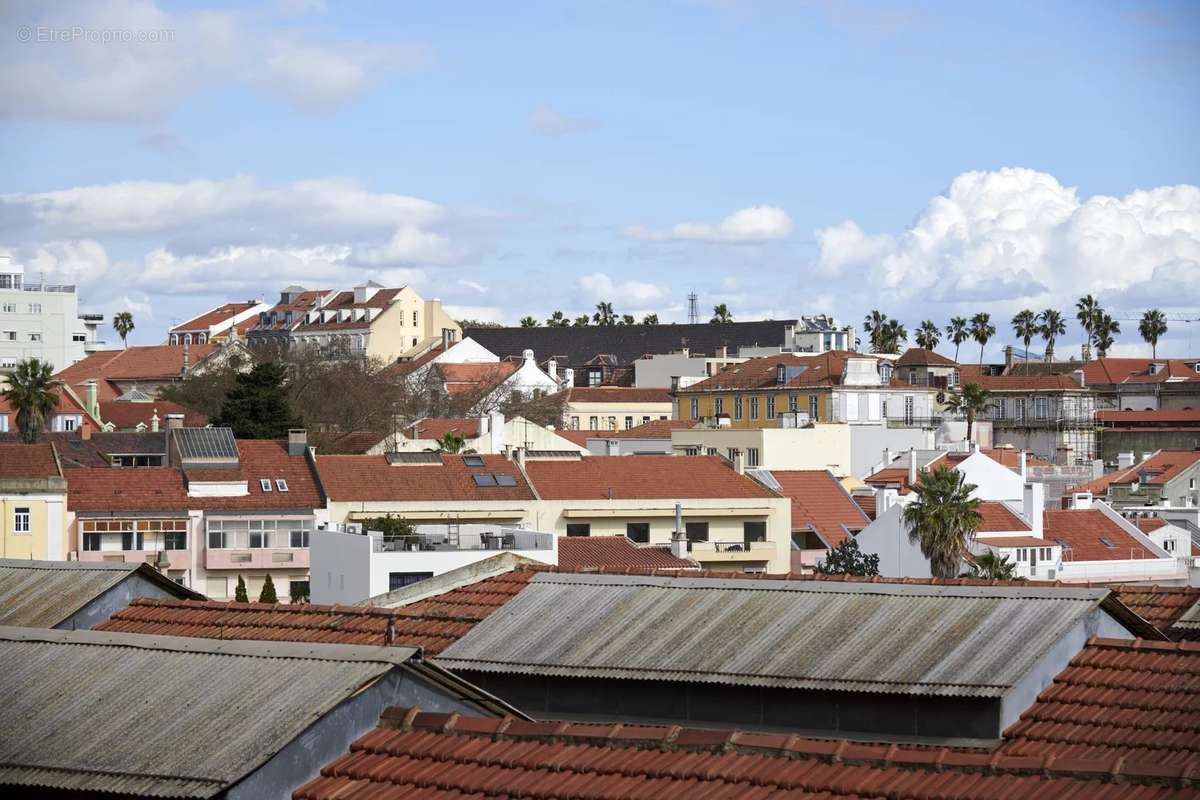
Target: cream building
{"type": "Point", "coordinates": [612, 408]}
{"type": "Point", "coordinates": [33, 503]}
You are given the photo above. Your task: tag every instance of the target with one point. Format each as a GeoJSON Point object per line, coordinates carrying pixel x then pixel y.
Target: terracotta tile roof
{"type": "Point", "coordinates": [66, 405]}
{"type": "Point", "coordinates": [1136, 700]}
{"type": "Point", "coordinates": [467, 378]}
{"type": "Point", "coordinates": [819, 502]}
{"type": "Point", "coordinates": [615, 394]}
{"type": "Point", "coordinates": [344, 301]}
{"type": "Point", "coordinates": [1081, 532]}
{"type": "Point", "coordinates": [1148, 524]}
{"type": "Point", "coordinates": [150, 363]}
{"type": "Point", "coordinates": [640, 477]}
{"type": "Point", "coordinates": [866, 502]}
{"type": "Point", "coordinates": [1161, 606]}
{"type": "Point", "coordinates": [126, 415]}
{"type": "Point", "coordinates": [1165, 416]}
{"type": "Point", "coordinates": [580, 437]}
{"type": "Point", "coordinates": [825, 369]}
{"type": "Point", "coordinates": [1014, 541]}
{"type": "Point", "coordinates": [352, 443]}
{"type": "Point", "coordinates": [999, 518]}
{"type": "Point", "coordinates": [73, 450]}
{"type": "Point", "coordinates": [916, 356]}
{"type": "Point", "coordinates": [413, 364]}
{"type": "Point", "coordinates": [372, 478]}
{"type": "Point", "coordinates": [303, 302]}
{"type": "Point", "coordinates": [581, 553]}
{"type": "Point", "coordinates": [28, 462]}
{"type": "Point", "coordinates": [431, 624]}
{"type": "Point", "coordinates": [654, 429]}
{"type": "Point", "coordinates": [1159, 468]}
{"type": "Point", "coordinates": [263, 459]}
{"type": "Point", "coordinates": [467, 428]}
{"type": "Point", "coordinates": [418, 754]}
{"type": "Point", "coordinates": [210, 318]}
{"type": "Point", "coordinates": [1025, 383]}
{"type": "Point", "coordinates": [1107, 371]}
{"type": "Point", "coordinates": [151, 489]}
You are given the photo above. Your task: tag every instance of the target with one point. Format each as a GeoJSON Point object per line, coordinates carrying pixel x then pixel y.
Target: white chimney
{"type": "Point", "coordinates": [552, 369]}
{"type": "Point", "coordinates": [496, 431]}
{"type": "Point", "coordinates": [1081, 500]}
{"type": "Point", "coordinates": [739, 462]}
{"type": "Point", "coordinates": [1124, 460]}
{"type": "Point", "coordinates": [912, 466]}
{"type": "Point", "coordinates": [1034, 507]}
{"type": "Point", "coordinates": [1146, 456]}
{"type": "Point", "coordinates": [568, 377]}
{"type": "Point", "coordinates": [154, 421]}
{"type": "Point", "coordinates": [527, 355]}
{"type": "Point", "coordinates": [174, 420]}
{"type": "Point", "coordinates": [612, 447]}
{"type": "Point", "coordinates": [93, 406]}
{"type": "Point", "coordinates": [1021, 461]}
{"type": "Point", "coordinates": [887, 456]}
{"type": "Point", "coordinates": [678, 539]}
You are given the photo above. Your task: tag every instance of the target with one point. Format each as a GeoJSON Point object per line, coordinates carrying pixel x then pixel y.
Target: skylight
{"type": "Point", "coordinates": [473, 461]}
{"type": "Point", "coordinates": [281, 484]}
{"type": "Point", "coordinates": [1104, 540]}
{"type": "Point", "coordinates": [485, 479]}
{"type": "Point", "coordinates": [265, 483]}
{"type": "Point", "coordinates": [504, 479]}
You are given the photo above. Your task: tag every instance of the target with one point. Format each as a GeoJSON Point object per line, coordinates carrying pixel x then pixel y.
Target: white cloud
{"type": "Point", "coordinates": [747, 226]}
{"type": "Point", "coordinates": [171, 55]}
{"type": "Point", "coordinates": [472, 285]}
{"type": "Point", "coordinates": [600, 286]}
{"type": "Point", "coordinates": [549, 122]}
{"type": "Point", "coordinates": [481, 313]}
{"type": "Point", "coordinates": [410, 246]}
{"type": "Point", "coordinates": [846, 244]}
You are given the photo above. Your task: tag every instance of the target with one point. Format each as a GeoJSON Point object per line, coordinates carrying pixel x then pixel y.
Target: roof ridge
{"type": "Point", "coordinates": [1142, 644]}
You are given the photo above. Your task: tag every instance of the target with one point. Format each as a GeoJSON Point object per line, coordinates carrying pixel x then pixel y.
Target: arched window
{"type": "Point", "coordinates": [187, 338]}
{"type": "Point", "coordinates": [174, 338]}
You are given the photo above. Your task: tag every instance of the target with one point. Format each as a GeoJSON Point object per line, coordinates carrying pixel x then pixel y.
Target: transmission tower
{"type": "Point", "coordinates": [693, 309]}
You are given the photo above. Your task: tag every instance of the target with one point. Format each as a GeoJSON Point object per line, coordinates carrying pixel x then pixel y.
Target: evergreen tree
{"type": "Point", "coordinates": [257, 407]}
{"type": "Point", "coordinates": [239, 596]}
{"type": "Point", "coordinates": [267, 595]}
{"type": "Point", "coordinates": [848, 559]}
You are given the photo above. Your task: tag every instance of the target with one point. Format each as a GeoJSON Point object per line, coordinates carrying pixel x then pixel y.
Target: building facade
{"type": "Point", "coordinates": [39, 320]}
{"type": "Point", "coordinates": [33, 503]}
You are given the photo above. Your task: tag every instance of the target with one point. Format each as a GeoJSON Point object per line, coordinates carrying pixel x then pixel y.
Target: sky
{"type": "Point", "coordinates": [928, 160]}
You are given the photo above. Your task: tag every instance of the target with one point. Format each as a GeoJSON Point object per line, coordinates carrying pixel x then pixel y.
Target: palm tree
{"type": "Point", "coordinates": [650, 319]}
{"type": "Point", "coordinates": [123, 325]}
{"type": "Point", "coordinates": [450, 442]}
{"type": "Point", "coordinates": [528, 322]}
{"type": "Point", "coordinates": [627, 319]}
{"type": "Point", "coordinates": [891, 336]}
{"type": "Point", "coordinates": [721, 315]}
{"type": "Point", "coordinates": [958, 333]}
{"type": "Point", "coordinates": [1104, 331]}
{"type": "Point", "coordinates": [943, 519]}
{"type": "Point", "coordinates": [581, 321]}
{"type": "Point", "coordinates": [872, 324]}
{"type": "Point", "coordinates": [1088, 309]}
{"type": "Point", "coordinates": [604, 314]}
{"type": "Point", "coordinates": [1025, 326]}
{"type": "Point", "coordinates": [1152, 326]}
{"type": "Point", "coordinates": [1052, 326]}
{"type": "Point", "coordinates": [970, 401]}
{"type": "Point", "coordinates": [982, 330]}
{"type": "Point", "coordinates": [928, 335]}
{"type": "Point", "coordinates": [992, 567]}
{"type": "Point", "coordinates": [32, 394]}
{"type": "Point", "coordinates": [557, 320]}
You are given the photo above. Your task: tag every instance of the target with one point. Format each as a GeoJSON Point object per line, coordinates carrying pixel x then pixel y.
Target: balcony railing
{"type": "Point", "coordinates": [1034, 421]}
{"type": "Point", "coordinates": [914, 422]}
{"type": "Point", "coordinates": [731, 551]}
{"type": "Point", "coordinates": [45, 287]}
{"type": "Point", "coordinates": [500, 539]}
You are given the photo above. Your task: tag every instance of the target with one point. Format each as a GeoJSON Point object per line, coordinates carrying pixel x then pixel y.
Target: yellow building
{"type": "Point", "coordinates": [33, 503]}
{"type": "Point", "coordinates": [613, 408]}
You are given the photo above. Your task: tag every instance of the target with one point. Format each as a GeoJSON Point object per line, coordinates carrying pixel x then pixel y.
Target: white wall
{"type": "Point", "coordinates": [56, 323]}
{"type": "Point", "coordinates": [339, 567]}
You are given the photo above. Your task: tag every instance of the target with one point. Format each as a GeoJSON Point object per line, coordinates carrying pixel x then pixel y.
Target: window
{"type": "Point", "coordinates": [78, 337]}
{"type": "Point", "coordinates": [628, 423]}
{"type": "Point", "coordinates": [298, 537]}
{"type": "Point", "coordinates": [718, 405]}
{"type": "Point", "coordinates": [574, 423]}
{"type": "Point", "coordinates": [1019, 409]}
{"type": "Point", "coordinates": [1104, 540]}
{"type": "Point", "coordinates": [593, 423]}
{"type": "Point", "coordinates": [612, 423]}
{"type": "Point", "coordinates": [133, 540]}
{"type": "Point", "coordinates": [1000, 409]}
{"type": "Point", "coordinates": [91, 541]}
{"type": "Point", "coordinates": [281, 484]}
{"type": "Point", "coordinates": [771, 406]}
{"type": "Point", "coordinates": [793, 402]}
{"type": "Point", "coordinates": [885, 372]}
{"type": "Point", "coordinates": [712, 451]}
{"type": "Point", "coordinates": [10, 308]}
{"type": "Point", "coordinates": [645, 420]}
{"type": "Point", "coordinates": [751, 456]}
{"type": "Point", "coordinates": [415, 318]}
{"type": "Point", "coordinates": [8, 336]}
{"type": "Point", "coordinates": [737, 406]}
{"type": "Point", "coordinates": [955, 378]}
{"type": "Point", "coordinates": [754, 532]}
{"type": "Point", "coordinates": [812, 407]}
{"type": "Point", "coordinates": [398, 580]}
{"type": "Point", "coordinates": [908, 409]}
{"type": "Point", "coordinates": [753, 408]}
{"type": "Point", "coordinates": [473, 461]}
{"type": "Point", "coordinates": [1041, 407]}
{"type": "Point", "coordinates": [732, 453]}
{"type": "Point", "coordinates": [1169, 545]}
{"type": "Point", "coordinates": [504, 479]}
{"type": "Point", "coordinates": [260, 533]}
{"type": "Point", "coordinates": [484, 479]}
{"type": "Point", "coordinates": [68, 423]}
{"type": "Point", "coordinates": [595, 376]}
{"type": "Point", "coordinates": [1021, 554]}
{"type": "Point", "coordinates": [21, 520]}
{"type": "Point", "coordinates": [696, 531]}
{"type": "Point", "coordinates": [174, 540]}
{"type": "Point", "coordinates": [695, 408]}
{"type": "Point", "coordinates": [579, 529]}
{"type": "Point", "coordinates": [638, 532]}
{"type": "Point", "coordinates": [265, 484]}
{"type": "Point", "coordinates": [35, 308]}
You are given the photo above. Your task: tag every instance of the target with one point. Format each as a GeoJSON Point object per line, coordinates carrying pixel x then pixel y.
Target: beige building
{"type": "Point", "coordinates": [33, 503]}
{"type": "Point", "coordinates": [613, 408]}
{"type": "Point", "coordinates": [821, 446]}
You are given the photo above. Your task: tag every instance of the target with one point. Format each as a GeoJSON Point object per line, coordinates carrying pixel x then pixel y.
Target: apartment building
{"type": "Point", "coordinates": [231, 320]}
{"type": "Point", "coordinates": [612, 408]}
{"type": "Point", "coordinates": [33, 508]}
{"type": "Point", "coordinates": [40, 320]}
{"type": "Point", "coordinates": [819, 333]}
{"type": "Point", "coordinates": [1161, 478]}
{"type": "Point", "coordinates": [1144, 384]}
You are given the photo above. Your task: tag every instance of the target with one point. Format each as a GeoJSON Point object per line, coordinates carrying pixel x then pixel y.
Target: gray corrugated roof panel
{"type": "Point", "coordinates": [1190, 621]}
{"type": "Point", "coordinates": [209, 445]}
{"type": "Point", "coordinates": [892, 638]}
{"type": "Point", "coordinates": [41, 594]}
{"type": "Point", "coordinates": [431, 457]}
{"type": "Point", "coordinates": [164, 716]}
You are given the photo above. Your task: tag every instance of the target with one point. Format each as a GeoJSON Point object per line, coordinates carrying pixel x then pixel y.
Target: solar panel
{"type": "Point", "coordinates": [473, 461]}
{"type": "Point", "coordinates": [205, 444]}
{"type": "Point", "coordinates": [504, 479]}
{"type": "Point", "coordinates": [413, 458]}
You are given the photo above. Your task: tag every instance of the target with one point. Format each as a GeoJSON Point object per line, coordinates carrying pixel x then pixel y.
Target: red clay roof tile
{"type": "Point", "coordinates": [614, 552]}
{"type": "Point", "coordinates": [820, 502]}
{"type": "Point", "coordinates": [1083, 532]}
{"type": "Point", "coordinates": [640, 477]}
{"type": "Point", "coordinates": [28, 462]}
{"type": "Point", "coordinates": [373, 478]}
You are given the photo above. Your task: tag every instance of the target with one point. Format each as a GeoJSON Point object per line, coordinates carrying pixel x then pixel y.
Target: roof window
{"type": "Point", "coordinates": [504, 479]}
{"type": "Point", "coordinates": [1104, 540]}
{"type": "Point", "coordinates": [485, 479]}
{"type": "Point", "coordinates": [473, 461]}
{"type": "Point", "coordinates": [265, 484]}
{"type": "Point", "coordinates": [281, 484]}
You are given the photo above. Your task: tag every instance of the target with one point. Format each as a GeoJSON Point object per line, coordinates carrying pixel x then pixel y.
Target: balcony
{"type": "Point", "coordinates": [176, 559]}
{"type": "Point", "coordinates": [463, 540]}
{"type": "Point", "coordinates": [731, 551]}
{"type": "Point", "coordinates": [1033, 421]}
{"type": "Point", "coordinates": [272, 549]}
{"type": "Point", "coordinates": [93, 346]}
{"type": "Point", "coordinates": [915, 422]}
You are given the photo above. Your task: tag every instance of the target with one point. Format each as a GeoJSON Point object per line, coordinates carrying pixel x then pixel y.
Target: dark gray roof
{"type": "Point", "coordinates": [576, 346]}
{"type": "Point", "coordinates": [162, 715]}
{"type": "Point", "coordinates": [422, 457]}
{"type": "Point", "coordinates": [869, 637]}
{"type": "Point", "coordinates": [42, 594]}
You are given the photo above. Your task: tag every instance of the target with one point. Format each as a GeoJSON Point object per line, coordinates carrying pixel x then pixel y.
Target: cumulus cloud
{"type": "Point", "coordinates": [747, 226]}
{"type": "Point", "coordinates": [170, 55]}
{"type": "Point", "coordinates": [599, 286]}
{"type": "Point", "coordinates": [549, 122]}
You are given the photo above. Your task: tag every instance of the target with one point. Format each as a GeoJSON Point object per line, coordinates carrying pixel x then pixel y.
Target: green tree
{"type": "Point", "coordinates": [32, 393]}
{"type": "Point", "coordinates": [604, 314]}
{"type": "Point", "coordinates": [970, 401]}
{"type": "Point", "coordinates": [928, 335]}
{"type": "Point", "coordinates": [942, 519]}
{"type": "Point", "coordinates": [721, 314]}
{"type": "Point", "coordinates": [257, 407]}
{"type": "Point", "coordinates": [581, 321]}
{"type": "Point", "coordinates": [848, 559]}
{"type": "Point", "coordinates": [123, 324]}
{"type": "Point", "coordinates": [958, 332]}
{"type": "Point", "coordinates": [450, 442]}
{"type": "Point", "coordinates": [982, 330]}
{"type": "Point", "coordinates": [628, 319]}
{"type": "Point", "coordinates": [239, 594]}
{"type": "Point", "coordinates": [1051, 326]}
{"type": "Point", "coordinates": [650, 319]}
{"type": "Point", "coordinates": [557, 320]}
{"type": "Point", "coordinates": [891, 337]}
{"type": "Point", "coordinates": [1087, 309]}
{"type": "Point", "coordinates": [393, 528]}
{"type": "Point", "coordinates": [1152, 327]}
{"type": "Point", "coordinates": [1025, 327]}
{"type": "Point", "coordinates": [873, 323]}
{"type": "Point", "coordinates": [299, 591]}
{"type": "Point", "coordinates": [477, 323]}
{"type": "Point", "coordinates": [992, 567]}
{"type": "Point", "coordinates": [1104, 333]}
{"type": "Point", "coordinates": [267, 595]}
{"type": "Point", "coordinates": [528, 322]}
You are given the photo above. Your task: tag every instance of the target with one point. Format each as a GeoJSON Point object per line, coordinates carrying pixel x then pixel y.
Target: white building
{"type": "Point", "coordinates": [42, 321]}
{"type": "Point", "coordinates": [348, 567]}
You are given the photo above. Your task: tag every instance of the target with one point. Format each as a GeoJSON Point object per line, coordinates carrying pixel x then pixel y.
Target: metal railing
{"type": "Point", "coordinates": [499, 539]}
{"type": "Point", "coordinates": [914, 422]}
{"type": "Point", "coordinates": [45, 287]}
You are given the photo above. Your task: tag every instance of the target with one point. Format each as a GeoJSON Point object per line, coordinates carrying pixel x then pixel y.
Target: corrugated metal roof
{"type": "Point", "coordinates": [162, 715]}
{"type": "Point", "coordinates": [41, 594]}
{"type": "Point", "coordinates": [893, 638]}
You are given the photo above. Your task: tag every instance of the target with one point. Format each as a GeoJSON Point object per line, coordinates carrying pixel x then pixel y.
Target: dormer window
{"type": "Point", "coordinates": [265, 484]}
{"type": "Point", "coordinates": [885, 372]}
{"type": "Point", "coordinates": [281, 484]}
{"type": "Point", "coordinates": [1157, 368]}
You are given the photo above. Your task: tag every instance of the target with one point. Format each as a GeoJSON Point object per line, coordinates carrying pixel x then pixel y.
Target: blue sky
{"type": "Point", "coordinates": [785, 158]}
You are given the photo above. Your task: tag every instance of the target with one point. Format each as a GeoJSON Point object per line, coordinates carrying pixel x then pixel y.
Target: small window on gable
{"type": "Point", "coordinates": [473, 461]}
{"type": "Point", "coordinates": [265, 483]}
{"type": "Point", "coordinates": [281, 484]}
{"type": "Point", "coordinates": [484, 479]}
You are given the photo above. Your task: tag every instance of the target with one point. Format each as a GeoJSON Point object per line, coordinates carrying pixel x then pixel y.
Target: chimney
{"type": "Point", "coordinates": [678, 539]}
{"type": "Point", "coordinates": [1078, 375]}
{"type": "Point", "coordinates": [445, 339]}
{"type": "Point", "coordinates": [1008, 358]}
{"type": "Point", "coordinates": [612, 447]}
{"type": "Point", "coordinates": [885, 500]}
{"type": "Point", "coordinates": [1146, 455]}
{"type": "Point", "coordinates": [1033, 507]}
{"type": "Point", "coordinates": [739, 462]}
{"type": "Point", "coordinates": [496, 431]}
{"type": "Point", "coordinates": [552, 369]}
{"type": "Point", "coordinates": [1081, 500]}
{"type": "Point", "coordinates": [174, 421]}
{"type": "Point", "coordinates": [527, 356]}
{"type": "Point", "coordinates": [297, 441]}
{"type": "Point", "coordinates": [887, 457]}
{"type": "Point", "coordinates": [568, 377]}
{"type": "Point", "coordinates": [912, 466]}
{"type": "Point", "coordinates": [186, 359]}
{"type": "Point", "coordinates": [1021, 461]}
{"type": "Point", "coordinates": [154, 421]}
{"type": "Point", "coordinates": [518, 456]}
{"type": "Point", "coordinates": [93, 406]}
{"type": "Point", "coordinates": [1124, 460]}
